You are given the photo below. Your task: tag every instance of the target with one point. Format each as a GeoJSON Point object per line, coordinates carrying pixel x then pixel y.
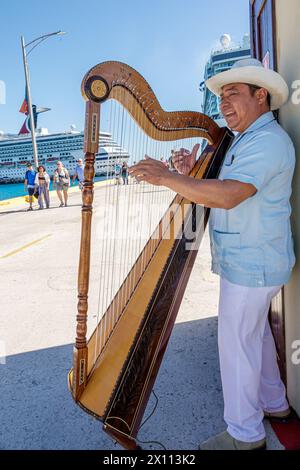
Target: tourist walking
{"type": "Point", "coordinates": [125, 173]}
{"type": "Point", "coordinates": [118, 170]}
{"type": "Point", "coordinates": [79, 173]}
{"type": "Point", "coordinates": [42, 183]}
{"type": "Point", "coordinates": [61, 181]}
{"type": "Point", "coordinates": [29, 184]}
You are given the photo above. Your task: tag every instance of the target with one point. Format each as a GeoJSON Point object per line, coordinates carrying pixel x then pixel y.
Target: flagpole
{"type": "Point", "coordinates": [33, 45]}
{"type": "Point", "coordinates": [32, 123]}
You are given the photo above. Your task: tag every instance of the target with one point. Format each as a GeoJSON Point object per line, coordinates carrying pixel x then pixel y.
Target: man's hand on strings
{"type": "Point", "coordinates": [184, 160]}
{"type": "Point", "coordinates": [150, 170]}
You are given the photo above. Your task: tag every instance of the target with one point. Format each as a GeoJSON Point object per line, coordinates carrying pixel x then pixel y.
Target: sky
{"type": "Point", "coordinates": [167, 41]}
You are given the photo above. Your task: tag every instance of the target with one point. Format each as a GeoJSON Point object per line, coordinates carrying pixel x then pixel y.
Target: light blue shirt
{"type": "Point", "coordinates": [80, 172]}
{"type": "Point", "coordinates": [252, 244]}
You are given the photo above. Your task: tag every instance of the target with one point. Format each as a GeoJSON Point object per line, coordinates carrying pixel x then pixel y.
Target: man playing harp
{"type": "Point", "coordinates": [252, 248]}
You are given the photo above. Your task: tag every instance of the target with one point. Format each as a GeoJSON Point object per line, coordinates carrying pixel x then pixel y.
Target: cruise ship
{"type": "Point", "coordinates": [16, 151]}
{"type": "Point", "coordinates": [222, 58]}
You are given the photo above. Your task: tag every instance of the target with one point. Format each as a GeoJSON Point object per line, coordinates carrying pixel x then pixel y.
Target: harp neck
{"type": "Point", "coordinates": [115, 80]}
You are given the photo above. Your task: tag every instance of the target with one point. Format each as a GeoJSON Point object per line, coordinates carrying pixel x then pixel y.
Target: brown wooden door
{"type": "Point", "coordinates": [263, 47]}
{"type": "Point", "coordinates": [263, 34]}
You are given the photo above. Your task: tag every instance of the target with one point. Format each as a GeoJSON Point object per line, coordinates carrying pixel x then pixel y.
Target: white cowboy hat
{"type": "Point", "coordinates": [252, 72]}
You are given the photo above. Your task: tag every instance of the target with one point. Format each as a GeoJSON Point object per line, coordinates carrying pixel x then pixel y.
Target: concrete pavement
{"type": "Point", "coordinates": [38, 275]}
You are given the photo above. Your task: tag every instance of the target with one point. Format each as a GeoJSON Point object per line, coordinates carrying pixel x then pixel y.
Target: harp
{"type": "Point", "coordinates": [112, 377]}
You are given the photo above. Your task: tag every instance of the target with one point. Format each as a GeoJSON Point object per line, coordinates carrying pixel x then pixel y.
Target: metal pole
{"type": "Point", "coordinates": [32, 123]}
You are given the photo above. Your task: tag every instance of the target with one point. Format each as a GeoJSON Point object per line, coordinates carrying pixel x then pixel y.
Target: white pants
{"type": "Point", "coordinates": [250, 375]}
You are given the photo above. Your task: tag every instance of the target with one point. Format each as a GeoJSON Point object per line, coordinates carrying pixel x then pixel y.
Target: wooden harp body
{"type": "Point", "coordinates": [114, 383]}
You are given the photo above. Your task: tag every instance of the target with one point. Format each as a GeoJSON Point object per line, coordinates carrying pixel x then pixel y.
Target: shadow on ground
{"type": "Point", "coordinates": [37, 411]}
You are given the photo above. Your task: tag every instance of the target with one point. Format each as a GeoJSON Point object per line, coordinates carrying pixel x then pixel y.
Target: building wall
{"type": "Point", "coordinates": [288, 40]}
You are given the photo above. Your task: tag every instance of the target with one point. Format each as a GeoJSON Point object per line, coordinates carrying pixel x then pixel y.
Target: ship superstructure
{"type": "Point", "coordinates": [16, 151]}
{"type": "Point", "coordinates": [222, 58]}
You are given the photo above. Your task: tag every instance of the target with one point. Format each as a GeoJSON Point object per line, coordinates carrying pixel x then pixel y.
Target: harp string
{"type": "Point", "coordinates": [111, 248]}
{"type": "Point", "coordinates": [131, 204]}
{"type": "Point", "coordinates": [127, 254]}
{"type": "Point", "coordinates": [104, 268]}
{"type": "Point", "coordinates": [124, 251]}
{"type": "Point", "coordinates": [153, 202]}
{"type": "Point", "coordinates": [144, 207]}
{"type": "Point", "coordinates": [130, 283]}
{"type": "Point", "coordinates": [138, 191]}
{"type": "Point", "coordinates": [113, 214]}
{"type": "Point", "coordinates": [107, 240]}
{"type": "Point", "coordinates": [118, 255]}
{"type": "Point", "coordinates": [119, 246]}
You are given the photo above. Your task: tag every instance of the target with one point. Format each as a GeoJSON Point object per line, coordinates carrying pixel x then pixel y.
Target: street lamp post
{"type": "Point", "coordinates": [34, 44]}
{"type": "Point", "coordinates": [29, 102]}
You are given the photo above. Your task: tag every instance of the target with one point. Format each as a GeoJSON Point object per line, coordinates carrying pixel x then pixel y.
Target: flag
{"type": "Point", "coordinates": [24, 108]}
{"type": "Point", "coordinates": [26, 128]}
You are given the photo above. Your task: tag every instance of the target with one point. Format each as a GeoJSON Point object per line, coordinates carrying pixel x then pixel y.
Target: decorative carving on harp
{"type": "Point", "coordinates": [113, 376]}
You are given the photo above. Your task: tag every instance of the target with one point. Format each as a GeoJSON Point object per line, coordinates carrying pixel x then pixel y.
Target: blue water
{"type": "Point", "coordinates": [8, 191]}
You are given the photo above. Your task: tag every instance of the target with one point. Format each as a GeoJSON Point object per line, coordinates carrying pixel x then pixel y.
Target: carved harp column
{"type": "Point", "coordinates": [113, 381]}
{"type": "Point", "coordinates": [91, 144]}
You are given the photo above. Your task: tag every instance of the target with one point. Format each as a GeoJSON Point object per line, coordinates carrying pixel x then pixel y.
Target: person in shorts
{"type": "Point", "coordinates": [61, 181]}
{"type": "Point", "coordinates": [29, 184]}
{"type": "Point", "coordinates": [79, 173]}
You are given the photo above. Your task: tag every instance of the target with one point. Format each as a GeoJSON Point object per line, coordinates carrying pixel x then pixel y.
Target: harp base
{"type": "Point", "coordinates": [126, 441]}
{"type": "Point", "coordinates": [78, 375]}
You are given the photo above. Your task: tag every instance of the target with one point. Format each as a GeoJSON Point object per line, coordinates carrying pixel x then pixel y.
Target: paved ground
{"type": "Point", "coordinates": [38, 271]}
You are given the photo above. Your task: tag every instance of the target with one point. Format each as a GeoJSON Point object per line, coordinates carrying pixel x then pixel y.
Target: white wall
{"type": "Point", "coordinates": [288, 56]}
